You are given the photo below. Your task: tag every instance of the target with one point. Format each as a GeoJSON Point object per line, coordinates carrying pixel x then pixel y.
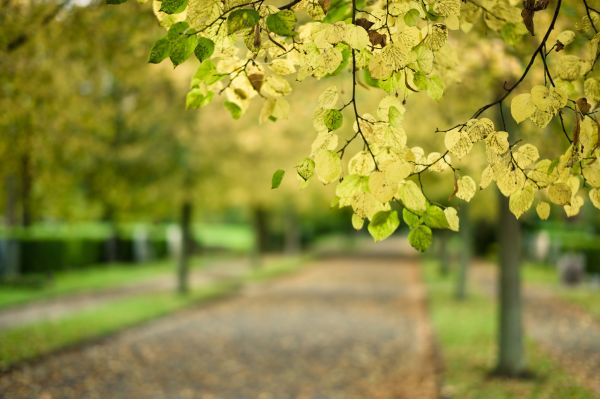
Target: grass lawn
{"type": "Point", "coordinates": [466, 334]}
{"type": "Point", "coordinates": [86, 280]}
{"type": "Point", "coordinates": [583, 295]}
{"type": "Point", "coordinates": [33, 340]}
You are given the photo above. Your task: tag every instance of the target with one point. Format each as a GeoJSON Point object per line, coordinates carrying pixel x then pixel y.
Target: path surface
{"type": "Point", "coordinates": [65, 305]}
{"type": "Point", "coordinates": [562, 329]}
{"type": "Point", "coordinates": [353, 328]}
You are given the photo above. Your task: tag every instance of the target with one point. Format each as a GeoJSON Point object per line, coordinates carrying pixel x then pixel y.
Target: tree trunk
{"type": "Point", "coordinates": [26, 186]}
{"type": "Point", "coordinates": [11, 249]}
{"type": "Point", "coordinates": [261, 235]}
{"type": "Point", "coordinates": [510, 327]}
{"type": "Point", "coordinates": [464, 263]}
{"type": "Point", "coordinates": [444, 254]}
{"type": "Point", "coordinates": [292, 231]}
{"type": "Point", "coordinates": [185, 225]}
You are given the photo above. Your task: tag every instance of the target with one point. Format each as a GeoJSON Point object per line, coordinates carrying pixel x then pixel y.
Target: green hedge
{"type": "Point", "coordinates": [49, 255]}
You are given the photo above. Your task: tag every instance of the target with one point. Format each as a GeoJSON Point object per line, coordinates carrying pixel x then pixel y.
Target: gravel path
{"type": "Point", "coordinates": [562, 329]}
{"type": "Point", "coordinates": [63, 306]}
{"type": "Point", "coordinates": [343, 328]}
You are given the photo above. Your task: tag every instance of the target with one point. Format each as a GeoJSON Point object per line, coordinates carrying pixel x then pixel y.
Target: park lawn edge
{"type": "Point", "coordinates": [96, 280]}
{"type": "Point", "coordinates": [464, 333]}
{"type": "Point", "coordinates": [32, 341]}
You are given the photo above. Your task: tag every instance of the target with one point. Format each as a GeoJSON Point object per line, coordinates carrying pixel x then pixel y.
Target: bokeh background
{"type": "Point", "coordinates": [118, 207]}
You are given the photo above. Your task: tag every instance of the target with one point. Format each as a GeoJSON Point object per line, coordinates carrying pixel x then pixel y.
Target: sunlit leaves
{"type": "Point", "coordinates": [543, 210]}
{"type": "Point", "coordinates": [241, 19]}
{"type": "Point", "coordinates": [412, 17]}
{"type": "Point", "coordinates": [595, 197]}
{"type": "Point", "coordinates": [466, 188]}
{"type": "Point", "coordinates": [458, 143]}
{"type": "Point", "coordinates": [559, 193]}
{"type": "Point", "coordinates": [401, 48]}
{"type": "Point", "coordinates": [282, 23]}
{"type": "Point", "coordinates": [333, 119]}
{"type": "Point", "coordinates": [328, 166]}
{"type": "Point", "coordinates": [197, 98]}
{"type": "Point", "coordinates": [383, 225]}
{"type": "Point", "coordinates": [361, 164]}
{"type": "Point", "coordinates": [452, 218]}
{"type": "Point", "coordinates": [435, 217]}
{"type": "Point", "coordinates": [233, 109]}
{"type": "Point", "coordinates": [305, 169]}
{"type": "Point", "coordinates": [411, 196]}
{"type": "Point", "coordinates": [521, 200]}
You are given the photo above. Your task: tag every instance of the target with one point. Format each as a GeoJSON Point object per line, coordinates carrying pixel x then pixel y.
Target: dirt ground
{"type": "Point", "coordinates": [345, 327]}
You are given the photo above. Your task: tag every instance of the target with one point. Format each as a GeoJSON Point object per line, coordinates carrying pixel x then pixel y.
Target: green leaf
{"type": "Point", "coordinates": [383, 224]}
{"type": "Point", "coordinates": [159, 51]}
{"type": "Point", "coordinates": [207, 73]}
{"type": "Point", "coordinates": [197, 98]}
{"type": "Point", "coordinates": [115, 1]}
{"type": "Point", "coordinates": [306, 168]}
{"type": "Point", "coordinates": [182, 48]}
{"type": "Point", "coordinates": [412, 17]}
{"type": "Point", "coordinates": [411, 218]}
{"type": "Point", "coordinates": [177, 30]}
{"type": "Point", "coordinates": [420, 80]}
{"type": "Point", "coordinates": [282, 22]}
{"type": "Point", "coordinates": [369, 79]}
{"type": "Point", "coordinates": [435, 217]}
{"type": "Point", "coordinates": [420, 238]}
{"type": "Point", "coordinates": [333, 119]}
{"type": "Point", "coordinates": [346, 56]}
{"type": "Point", "coordinates": [204, 49]}
{"type": "Point", "coordinates": [173, 6]}
{"type": "Point", "coordinates": [277, 178]}
{"type": "Point", "coordinates": [234, 109]}
{"type": "Point", "coordinates": [242, 19]}
{"type": "Point", "coordinates": [435, 88]}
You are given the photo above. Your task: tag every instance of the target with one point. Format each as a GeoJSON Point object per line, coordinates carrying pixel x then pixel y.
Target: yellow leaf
{"type": "Point", "coordinates": [458, 143]}
{"type": "Point", "coordinates": [452, 218]}
{"type": "Point", "coordinates": [521, 107]}
{"type": "Point", "coordinates": [595, 197]}
{"type": "Point", "coordinates": [497, 142]}
{"type": "Point", "coordinates": [381, 187]}
{"type": "Point", "coordinates": [411, 196]}
{"type": "Point", "coordinates": [361, 164]}
{"type": "Point", "coordinates": [466, 188]}
{"type": "Point", "coordinates": [543, 210]}
{"type": "Point", "coordinates": [509, 181]}
{"type": "Point", "coordinates": [328, 166]}
{"type": "Point", "coordinates": [357, 222]}
{"type": "Point", "coordinates": [559, 193]}
{"type": "Point", "coordinates": [520, 201]}
{"type": "Point", "coordinates": [525, 155]}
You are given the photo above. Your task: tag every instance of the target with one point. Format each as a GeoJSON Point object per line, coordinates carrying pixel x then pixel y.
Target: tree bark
{"type": "Point", "coordinates": [510, 326]}
{"type": "Point", "coordinates": [26, 189]}
{"type": "Point", "coordinates": [185, 225]}
{"type": "Point", "coordinates": [261, 234]}
{"type": "Point", "coordinates": [464, 263]}
{"type": "Point", "coordinates": [292, 231]}
{"type": "Point", "coordinates": [444, 254]}
{"type": "Point", "coordinates": [11, 258]}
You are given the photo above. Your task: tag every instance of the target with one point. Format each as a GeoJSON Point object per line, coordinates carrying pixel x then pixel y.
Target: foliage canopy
{"type": "Point", "coordinates": [249, 50]}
